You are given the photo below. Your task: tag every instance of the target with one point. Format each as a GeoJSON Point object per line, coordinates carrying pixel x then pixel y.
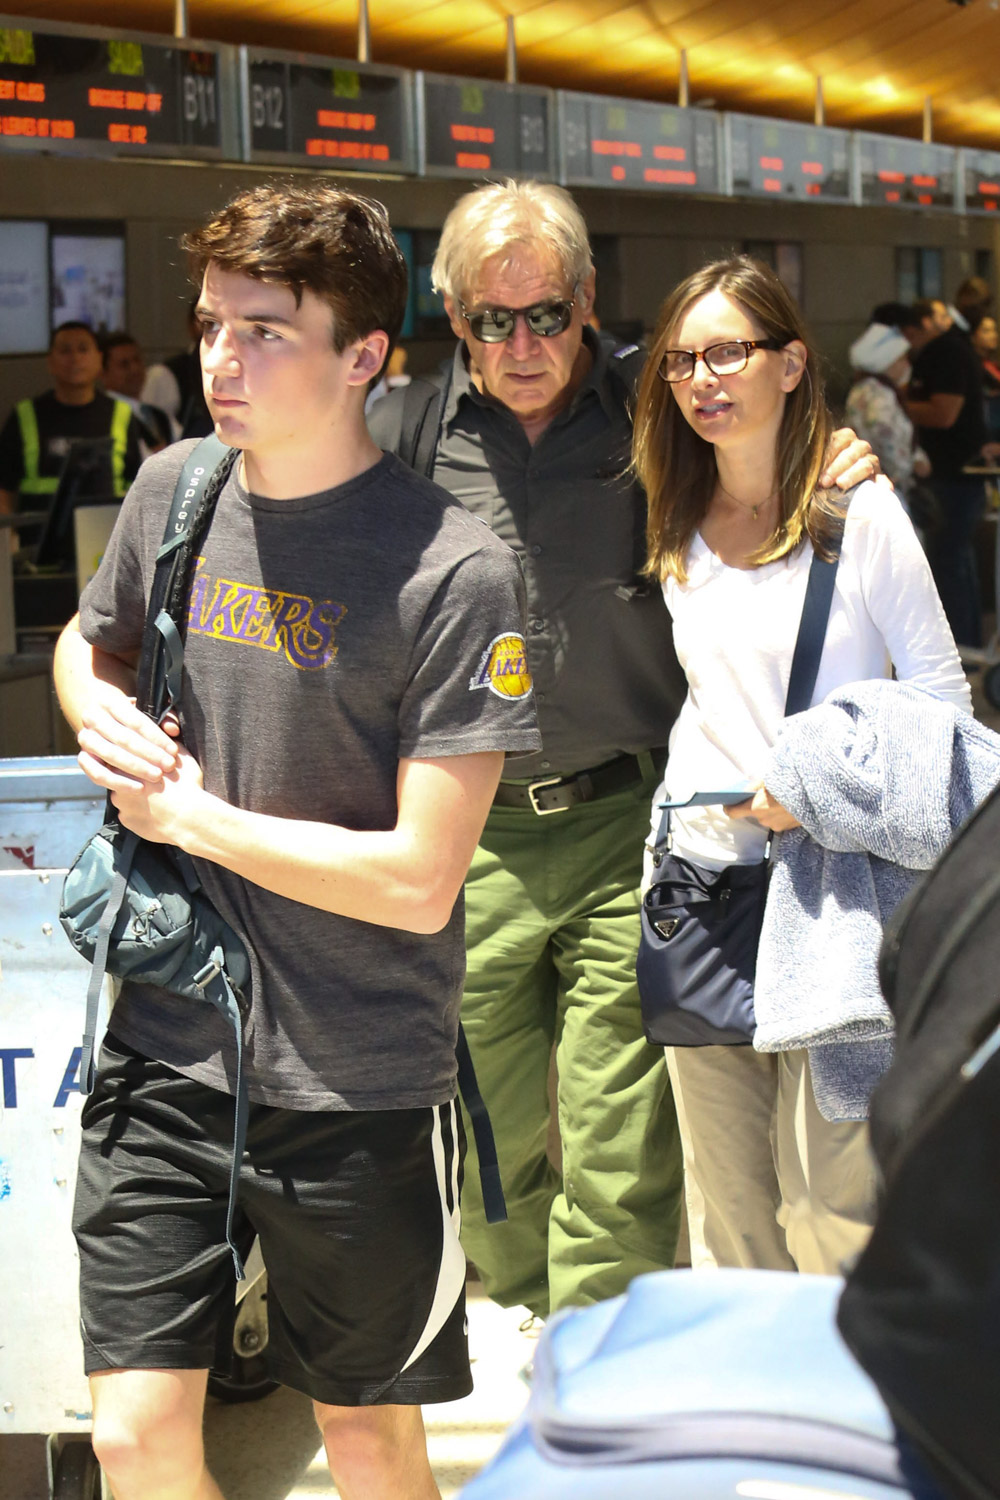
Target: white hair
{"type": "Point", "coordinates": [497, 220]}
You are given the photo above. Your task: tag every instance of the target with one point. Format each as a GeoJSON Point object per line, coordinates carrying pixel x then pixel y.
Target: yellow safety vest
{"type": "Point", "coordinates": [34, 483]}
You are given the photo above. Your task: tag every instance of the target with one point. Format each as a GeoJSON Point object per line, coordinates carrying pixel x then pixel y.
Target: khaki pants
{"type": "Point", "coordinates": [768, 1182]}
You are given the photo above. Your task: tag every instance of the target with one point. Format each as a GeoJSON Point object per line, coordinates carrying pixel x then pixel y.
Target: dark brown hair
{"type": "Point", "coordinates": [72, 326]}
{"type": "Point", "coordinates": [320, 239]}
{"type": "Point", "coordinates": [677, 467]}
{"type": "Point", "coordinates": [924, 307]}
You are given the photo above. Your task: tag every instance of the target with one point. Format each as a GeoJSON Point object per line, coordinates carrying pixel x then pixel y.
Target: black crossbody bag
{"type": "Point", "coordinates": [700, 928]}
{"type": "Point", "coordinates": [136, 910]}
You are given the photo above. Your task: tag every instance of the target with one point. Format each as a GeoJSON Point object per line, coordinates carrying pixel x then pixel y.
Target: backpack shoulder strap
{"type": "Point", "coordinates": [201, 464]}
{"type": "Point", "coordinates": [424, 402]}
{"type": "Point", "coordinates": [625, 368]}
{"type": "Point", "coordinates": [813, 623]}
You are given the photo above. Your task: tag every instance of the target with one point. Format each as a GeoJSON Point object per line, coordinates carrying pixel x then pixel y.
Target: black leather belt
{"type": "Point", "coordinates": [555, 794]}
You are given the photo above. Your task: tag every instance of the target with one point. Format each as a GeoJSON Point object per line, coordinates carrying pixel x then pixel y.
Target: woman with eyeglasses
{"type": "Point", "coordinates": [730, 431]}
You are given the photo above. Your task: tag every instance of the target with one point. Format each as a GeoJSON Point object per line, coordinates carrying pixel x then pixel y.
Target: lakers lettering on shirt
{"type": "Point", "coordinates": [503, 668]}
{"type": "Point", "coordinates": [270, 619]}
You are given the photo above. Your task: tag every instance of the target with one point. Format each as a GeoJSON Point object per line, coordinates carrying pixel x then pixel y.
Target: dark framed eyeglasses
{"type": "Point", "coordinates": [494, 325]}
{"type": "Point", "coordinates": [722, 359]}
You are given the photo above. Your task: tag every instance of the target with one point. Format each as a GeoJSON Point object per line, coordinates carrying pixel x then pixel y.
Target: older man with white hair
{"type": "Point", "coordinates": [531, 430]}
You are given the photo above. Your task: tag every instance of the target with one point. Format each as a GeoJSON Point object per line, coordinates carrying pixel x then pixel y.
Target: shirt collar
{"type": "Point", "coordinates": [601, 349]}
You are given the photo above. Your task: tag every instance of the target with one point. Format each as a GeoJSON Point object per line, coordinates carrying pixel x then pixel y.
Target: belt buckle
{"type": "Point", "coordinates": [535, 786]}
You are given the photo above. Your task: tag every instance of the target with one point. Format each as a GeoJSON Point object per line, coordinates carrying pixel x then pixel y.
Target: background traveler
{"type": "Point", "coordinates": [945, 401]}
{"type": "Point", "coordinates": [175, 386]}
{"type": "Point", "coordinates": [874, 406]}
{"type": "Point", "coordinates": [123, 376]}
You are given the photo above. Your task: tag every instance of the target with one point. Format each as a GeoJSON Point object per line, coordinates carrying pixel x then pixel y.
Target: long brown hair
{"type": "Point", "coordinates": [677, 467]}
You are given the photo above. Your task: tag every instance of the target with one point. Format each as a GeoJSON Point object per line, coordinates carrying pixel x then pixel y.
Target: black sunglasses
{"type": "Point", "coordinates": [494, 325]}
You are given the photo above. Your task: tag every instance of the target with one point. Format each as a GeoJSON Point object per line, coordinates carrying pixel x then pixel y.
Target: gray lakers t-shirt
{"type": "Point", "coordinates": [327, 638]}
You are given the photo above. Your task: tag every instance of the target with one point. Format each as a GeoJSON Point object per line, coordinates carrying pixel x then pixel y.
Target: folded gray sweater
{"type": "Point", "coordinates": [880, 776]}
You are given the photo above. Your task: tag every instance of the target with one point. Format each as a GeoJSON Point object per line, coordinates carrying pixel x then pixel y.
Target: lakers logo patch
{"type": "Point", "coordinates": [503, 668]}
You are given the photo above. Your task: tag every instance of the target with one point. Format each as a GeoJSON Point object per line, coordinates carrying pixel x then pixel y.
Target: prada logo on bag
{"type": "Point", "coordinates": [667, 926]}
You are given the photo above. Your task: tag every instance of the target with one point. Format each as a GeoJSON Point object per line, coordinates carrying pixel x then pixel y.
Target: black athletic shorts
{"type": "Point", "coordinates": [357, 1213]}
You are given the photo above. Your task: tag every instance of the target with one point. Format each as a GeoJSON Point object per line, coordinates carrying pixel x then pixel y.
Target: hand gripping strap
{"type": "Point", "coordinates": [486, 1148]}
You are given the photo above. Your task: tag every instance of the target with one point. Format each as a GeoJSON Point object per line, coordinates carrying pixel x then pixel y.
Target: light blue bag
{"type": "Point", "coordinates": [702, 1385]}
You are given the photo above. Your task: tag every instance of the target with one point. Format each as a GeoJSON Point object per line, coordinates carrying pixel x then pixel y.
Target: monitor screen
{"type": "Point", "coordinates": [88, 280]}
{"type": "Point", "coordinates": [24, 286]}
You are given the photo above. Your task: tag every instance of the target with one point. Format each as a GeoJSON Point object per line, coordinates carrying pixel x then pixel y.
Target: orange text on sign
{"type": "Point", "coordinates": [130, 99]}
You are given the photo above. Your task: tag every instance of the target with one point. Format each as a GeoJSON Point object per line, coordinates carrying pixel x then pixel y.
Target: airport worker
{"type": "Point", "coordinates": [38, 435]}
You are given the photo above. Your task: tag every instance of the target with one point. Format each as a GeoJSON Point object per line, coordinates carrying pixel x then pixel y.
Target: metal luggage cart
{"type": "Point", "coordinates": [48, 809]}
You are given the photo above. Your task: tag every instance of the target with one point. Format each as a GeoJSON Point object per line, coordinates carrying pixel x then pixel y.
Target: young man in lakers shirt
{"type": "Point", "coordinates": [354, 673]}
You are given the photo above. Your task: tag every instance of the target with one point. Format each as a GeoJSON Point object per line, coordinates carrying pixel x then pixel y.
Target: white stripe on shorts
{"type": "Point", "coordinates": [451, 1272]}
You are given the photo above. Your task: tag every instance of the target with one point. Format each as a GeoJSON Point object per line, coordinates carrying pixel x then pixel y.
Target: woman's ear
{"type": "Point", "coordinates": [795, 356]}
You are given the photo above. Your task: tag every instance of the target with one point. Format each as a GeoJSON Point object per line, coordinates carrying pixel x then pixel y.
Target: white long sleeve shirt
{"type": "Point", "coordinates": [735, 631]}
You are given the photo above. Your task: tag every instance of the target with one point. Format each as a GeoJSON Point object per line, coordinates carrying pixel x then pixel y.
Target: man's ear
{"type": "Point", "coordinates": [369, 357]}
{"type": "Point", "coordinates": [454, 317]}
{"type": "Point", "coordinates": [585, 296]}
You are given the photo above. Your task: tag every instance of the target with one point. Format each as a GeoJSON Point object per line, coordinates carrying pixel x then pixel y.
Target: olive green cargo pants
{"type": "Point", "coordinates": [552, 929]}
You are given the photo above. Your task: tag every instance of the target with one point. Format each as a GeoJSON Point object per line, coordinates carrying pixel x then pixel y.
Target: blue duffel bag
{"type": "Point", "coordinates": [702, 1385]}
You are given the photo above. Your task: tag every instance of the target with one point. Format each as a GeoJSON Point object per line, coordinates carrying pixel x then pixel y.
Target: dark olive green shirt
{"type": "Point", "coordinates": [601, 656]}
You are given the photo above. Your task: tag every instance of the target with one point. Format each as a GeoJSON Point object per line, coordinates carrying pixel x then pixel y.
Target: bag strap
{"type": "Point", "coordinates": [625, 367]}
{"type": "Point", "coordinates": [215, 985]}
{"type": "Point", "coordinates": [201, 464]}
{"type": "Point", "coordinates": [486, 1148]}
{"type": "Point", "coordinates": [813, 622]}
{"type": "Point", "coordinates": [424, 402]}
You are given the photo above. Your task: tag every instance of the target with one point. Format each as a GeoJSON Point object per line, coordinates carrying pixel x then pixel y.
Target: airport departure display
{"type": "Point", "coordinates": [627, 143]}
{"type": "Point", "coordinates": [80, 89]}
{"type": "Point", "coordinates": [783, 159]}
{"type": "Point", "coordinates": [471, 128]}
{"type": "Point", "coordinates": [905, 174]}
{"type": "Point", "coordinates": [328, 113]}
{"type": "Point", "coordinates": [982, 181]}
{"type": "Point", "coordinates": [120, 93]}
